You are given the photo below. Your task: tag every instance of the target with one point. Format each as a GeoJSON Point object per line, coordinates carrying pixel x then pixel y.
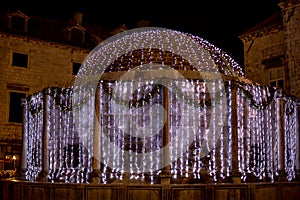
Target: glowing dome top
{"type": "Point", "coordinates": [224, 62]}
{"type": "Point", "coordinates": [181, 51]}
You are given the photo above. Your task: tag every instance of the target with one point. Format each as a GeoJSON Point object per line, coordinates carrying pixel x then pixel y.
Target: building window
{"type": "Point", "coordinates": [20, 60]}
{"type": "Point", "coordinates": [18, 23]}
{"type": "Point", "coordinates": [276, 77]}
{"type": "Point", "coordinates": [76, 66]}
{"type": "Point", "coordinates": [15, 107]}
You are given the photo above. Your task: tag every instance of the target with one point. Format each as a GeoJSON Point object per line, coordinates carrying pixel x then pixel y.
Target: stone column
{"type": "Point", "coordinates": [280, 135]}
{"type": "Point", "coordinates": [95, 175]}
{"type": "Point", "coordinates": [43, 175]}
{"type": "Point", "coordinates": [165, 176]}
{"type": "Point", "coordinates": [21, 170]}
{"type": "Point", "coordinates": [235, 174]}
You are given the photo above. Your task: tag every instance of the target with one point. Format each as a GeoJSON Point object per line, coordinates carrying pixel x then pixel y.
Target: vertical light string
{"type": "Point", "coordinates": [174, 114]}
{"type": "Point", "coordinates": [190, 103]}
{"type": "Point", "coordinates": [263, 132]}
{"type": "Point", "coordinates": [213, 128]}
{"type": "Point", "coordinates": [256, 145]}
{"type": "Point", "coordinates": [68, 148]}
{"type": "Point", "coordinates": [115, 132]}
{"type": "Point", "coordinates": [197, 136]}
{"type": "Point", "coordinates": [229, 111]}
{"type": "Point", "coordinates": [101, 119]}
{"type": "Point", "coordinates": [257, 136]}
{"type": "Point", "coordinates": [221, 139]}
{"type": "Point", "coordinates": [91, 115]}
{"type": "Point", "coordinates": [265, 127]}
{"type": "Point", "coordinates": [52, 139]}
{"type": "Point", "coordinates": [182, 127]}
{"type": "Point", "coordinates": [61, 175]}
{"type": "Point", "coordinates": [247, 120]}
{"type": "Point", "coordinates": [195, 120]}
{"type": "Point", "coordinates": [275, 136]}
{"type": "Point", "coordinates": [132, 128]}
{"type": "Point", "coordinates": [37, 142]}
{"type": "Point", "coordinates": [55, 137]}
{"type": "Point", "coordinates": [28, 155]}
{"type": "Point", "coordinates": [269, 138]}
{"type": "Point", "coordinates": [145, 122]}
{"type": "Point", "coordinates": [290, 137]}
{"type": "Point", "coordinates": [110, 134]}
{"type": "Point", "coordinates": [241, 150]}
{"type": "Point", "coordinates": [179, 108]}
{"type": "Point", "coordinates": [119, 85]}
{"type": "Point", "coordinates": [76, 164]}
{"type": "Point", "coordinates": [104, 127]}
{"type": "Point", "coordinates": [248, 123]}
{"type": "Point", "coordinates": [124, 124]}
{"type": "Point", "coordinates": [159, 138]}
{"type": "Point", "coordinates": [195, 127]}
{"type": "Point", "coordinates": [82, 161]}
{"type": "Point", "coordinates": [150, 147]}
{"type": "Point", "coordinates": [128, 142]}
{"type": "Point", "coordinates": [139, 116]}
{"type": "Point", "coordinates": [79, 153]}
{"type": "Point", "coordinates": [71, 137]}
{"type": "Point", "coordinates": [205, 148]}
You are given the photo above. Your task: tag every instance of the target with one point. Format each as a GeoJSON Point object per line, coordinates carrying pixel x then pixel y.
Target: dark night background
{"type": "Point", "coordinates": [219, 22]}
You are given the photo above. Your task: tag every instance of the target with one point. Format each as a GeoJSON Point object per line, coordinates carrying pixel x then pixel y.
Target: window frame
{"type": "Point", "coordinates": [18, 66]}
{"type": "Point", "coordinates": [277, 78]}
{"type": "Point", "coordinates": [75, 63]}
{"type": "Point", "coordinates": [21, 15]}
{"type": "Point", "coordinates": [10, 108]}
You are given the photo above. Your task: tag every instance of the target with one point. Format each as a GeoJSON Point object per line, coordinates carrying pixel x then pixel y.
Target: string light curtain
{"type": "Point", "coordinates": [129, 140]}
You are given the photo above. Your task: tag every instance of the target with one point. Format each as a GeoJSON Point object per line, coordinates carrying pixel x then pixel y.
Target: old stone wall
{"type": "Point", "coordinates": [273, 43]}
{"type": "Point", "coordinates": [254, 56]}
{"type": "Point", "coordinates": [49, 64]}
{"type": "Point", "coordinates": [291, 20]}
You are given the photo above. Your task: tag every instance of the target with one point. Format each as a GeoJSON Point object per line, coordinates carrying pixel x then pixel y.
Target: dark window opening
{"type": "Point", "coordinates": [280, 83]}
{"type": "Point", "coordinates": [18, 23]}
{"type": "Point", "coordinates": [15, 107]}
{"type": "Point", "coordinates": [273, 84]}
{"type": "Point", "coordinates": [76, 67]}
{"type": "Point", "coordinates": [20, 60]}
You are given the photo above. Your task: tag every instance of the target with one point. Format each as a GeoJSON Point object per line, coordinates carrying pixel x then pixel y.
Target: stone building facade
{"type": "Point", "coordinates": [36, 53]}
{"type": "Point", "coordinates": [272, 49]}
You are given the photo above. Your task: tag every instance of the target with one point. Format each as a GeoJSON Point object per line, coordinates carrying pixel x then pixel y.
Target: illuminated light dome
{"type": "Point", "coordinates": [225, 64]}
{"type": "Point", "coordinates": [162, 46]}
{"type": "Point", "coordinates": [197, 128]}
{"type": "Point", "coordinates": [223, 61]}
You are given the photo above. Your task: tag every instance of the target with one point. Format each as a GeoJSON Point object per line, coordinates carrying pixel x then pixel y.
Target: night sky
{"type": "Point", "coordinates": [219, 22]}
